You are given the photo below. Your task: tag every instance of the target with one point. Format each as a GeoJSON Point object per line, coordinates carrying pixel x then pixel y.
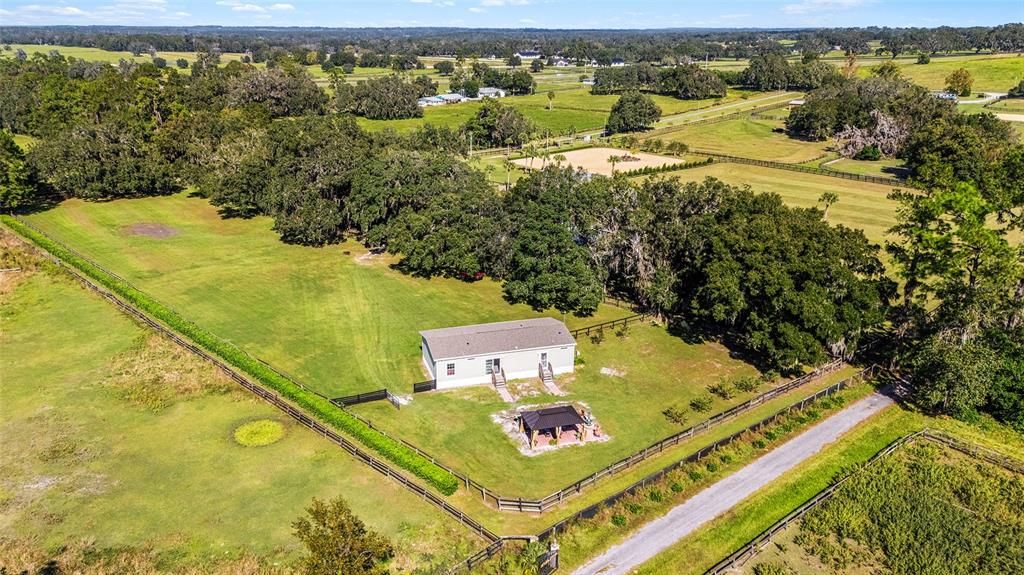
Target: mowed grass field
{"type": "Point", "coordinates": [746, 137]}
{"type": "Point", "coordinates": [991, 72]}
{"type": "Point", "coordinates": [861, 205]}
{"type": "Point", "coordinates": [573, 109]}
{"type": "Point", "coordinates": [655, 370]}
{"type": "Point", "coordinates": [341, 322]}
{"type": "Point", "coordinates": [90, 456]}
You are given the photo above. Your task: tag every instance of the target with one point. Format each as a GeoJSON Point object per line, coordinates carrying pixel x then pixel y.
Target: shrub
{"type": "Point", "coordinates": [677, 487]}
{"type": "Point", "coordinates": [924, 59]}
{"type": "Point", "coordinates": [655, 495]}
{"type": "Point", "coordinates": [726, 459]}
{"type": "Point", "coordinates": [619, 520]}
{"type": "Point", "coordinates": [771, 568]}
{"type": "Point", "coordinates": [712, 467]}
{"type": "Point", "coordinates": [633, 507]}
{"type": "Point", "coordinates": [313, 403]}
{"type": "Point", "coordinates": [694, 475]}
{"type": "Point", "coordinates": [598, 337]}
{"type": "Point", "coordinates": [759, 444]}
{"type": "Point", "coordinates": [748, 383]}
{"type": "Point", "coordinates": [771, 435]}
{"type": "Point", "coordinates": [675, 415]}
{"type": "Point", "coordinates": [702, 403]}
{"type": "Point", "coordinates": [623, 331]}
{"type": "Point", "coordinates": [868, 153]}
{"type": "Point", "coordinates": [722, 389]}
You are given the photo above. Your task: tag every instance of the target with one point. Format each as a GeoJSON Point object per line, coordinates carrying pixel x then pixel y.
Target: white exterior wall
{"type": "Point", "coordinates": [517, 365]}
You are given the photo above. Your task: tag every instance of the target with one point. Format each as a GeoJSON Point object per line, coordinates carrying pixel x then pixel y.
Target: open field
{"type": "Point", "coordinates": [991, 72]}
{"type": "Point", "coordinates": [888, 168]}
{"type": "Point", "coordinates": [595, 160]}
{"type": "Point", "coordinates": [341, 321]}
{"type": "Point", "coordinates": [657, 370]}
{"type": "Point", "coordinates": [698, 552]}
{"type": "Point", "coordinates": [953, 497]}
{"type": "Point", "coordinates": [114, 435]}
{"type": "Point", "coordinates": [1011, 105]}
{"type": "Point", "coordinates": [747, 137]}
{"type": "Point", "coordinates": [113, 57]}
{"type": "Point", "coordinates": [861, 205]}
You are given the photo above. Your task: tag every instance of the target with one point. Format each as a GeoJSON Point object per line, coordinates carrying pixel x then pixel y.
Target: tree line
{"type": "Point", "coordinates": [317, 45]}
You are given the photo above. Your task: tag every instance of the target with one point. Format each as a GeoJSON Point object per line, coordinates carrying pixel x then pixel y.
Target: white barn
{"type": "Point", "coordinates": [469, 355]}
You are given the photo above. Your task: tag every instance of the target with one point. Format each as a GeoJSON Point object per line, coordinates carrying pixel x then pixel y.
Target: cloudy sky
{"type": "Point", "coordinates": [516, 13]}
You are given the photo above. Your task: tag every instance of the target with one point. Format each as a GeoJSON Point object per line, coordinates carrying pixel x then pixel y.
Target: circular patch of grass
{"type": "Point", "coordinates": [259, 433]}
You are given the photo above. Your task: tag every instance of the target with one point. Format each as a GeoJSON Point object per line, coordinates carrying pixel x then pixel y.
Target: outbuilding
{"type": "Point", "coordinates": [476, 354]}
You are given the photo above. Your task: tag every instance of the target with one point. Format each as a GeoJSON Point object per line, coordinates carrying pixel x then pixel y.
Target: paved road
{"type": "Point", "coordinates": [685, 518]}
{"type": "Point", "coordinates": [1011, 117]}
{"type": "Point", "coordinates": [989, 97]}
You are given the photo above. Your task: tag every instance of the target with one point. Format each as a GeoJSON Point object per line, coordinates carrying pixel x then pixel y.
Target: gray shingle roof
{"type": "Point", "coordinates": [485, 338]}
{"type": "Point", "coordinates": [551, 417]}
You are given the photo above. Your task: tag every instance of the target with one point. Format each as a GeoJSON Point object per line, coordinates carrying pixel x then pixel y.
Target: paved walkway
{"type": "Point", "coordinates": [687, 517]}
{"type": "Point", "coordinates": [1011, 117]}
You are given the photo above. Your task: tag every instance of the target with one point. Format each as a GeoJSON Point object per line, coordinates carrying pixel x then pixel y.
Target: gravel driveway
{"type": "Point", "coordinates": [687, 517]}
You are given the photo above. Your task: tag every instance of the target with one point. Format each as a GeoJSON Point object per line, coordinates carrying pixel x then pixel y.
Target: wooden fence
{"type": "Point", "coordinates": [703, 452]}
{"type": "Point", "coordinates": [378, 395]}
{"type": "Point", "coordinates": [804, 169]}
{"type": "Point", "coordinates": [466, 565]}
{"type": "Point", "coordinates": [621, 322]}
{"type": "Point", "coordinates": [270, 397]}
{"type": "Point", "coordinates": [424, 386]}
{"type": "Point", "coordinates": [757, 544]}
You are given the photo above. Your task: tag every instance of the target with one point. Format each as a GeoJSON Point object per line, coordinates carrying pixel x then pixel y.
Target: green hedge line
{"type": "Point", "coordinates": [667, 168]}
{"type": "Point", "coordinates": [318, 406]}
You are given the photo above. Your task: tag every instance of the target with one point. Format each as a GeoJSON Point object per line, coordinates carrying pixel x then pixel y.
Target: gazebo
{"type": "Point", "coordinates": [551, 419]}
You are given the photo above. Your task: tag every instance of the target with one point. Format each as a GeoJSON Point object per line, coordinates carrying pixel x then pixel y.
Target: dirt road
{"type": "Point", "coordinates": [687, 517]}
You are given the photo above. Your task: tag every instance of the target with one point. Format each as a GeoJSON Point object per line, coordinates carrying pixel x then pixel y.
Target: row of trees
{"type": "Point", "coordinates": [959, 318]}
{"type": "Point", "coordinates": [316, 45]}
{"type": "Point", "coordinates": [689, 82]}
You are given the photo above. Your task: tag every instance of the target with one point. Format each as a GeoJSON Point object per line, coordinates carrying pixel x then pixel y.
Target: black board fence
{"type": "Point", "coordinates": [424, 386]}
{"type": "Point", "coordinates": [757, 544]}
{"type": "Point", "coordinates": [804, 169]}
{"type": "Point", "coordinates": [593, 510]}
{"type": "Point", "coordinates": [377, 395]}
{"type": "Point", "coordinates": [621, 322]}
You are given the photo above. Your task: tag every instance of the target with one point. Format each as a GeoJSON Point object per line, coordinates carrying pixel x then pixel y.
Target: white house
{"type": "Point", "coordinates": [469, 355]}
{"type": "Point", "coordinates": [491, 93]}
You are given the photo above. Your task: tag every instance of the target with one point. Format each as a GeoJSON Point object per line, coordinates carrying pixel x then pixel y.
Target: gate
{"type": "Point", "coordinates": [548, 562]}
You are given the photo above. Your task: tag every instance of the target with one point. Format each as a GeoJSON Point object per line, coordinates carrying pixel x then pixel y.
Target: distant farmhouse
{"type": "Point", "coordinates": [454, 98]}
{"type": "Point", "coordinates": [529, 55]}
{"type": "Point", "coordinates": [479, 354]}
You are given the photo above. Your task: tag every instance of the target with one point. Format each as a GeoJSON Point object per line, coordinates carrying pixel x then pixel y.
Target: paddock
{"type": "Point", "coordinates": [595, 160]}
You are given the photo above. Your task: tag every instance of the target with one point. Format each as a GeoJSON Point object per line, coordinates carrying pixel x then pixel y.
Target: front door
{"type": "Point", "coordinates": [544, 358]}
{"type": "Point", "coordinates": [493, 365]}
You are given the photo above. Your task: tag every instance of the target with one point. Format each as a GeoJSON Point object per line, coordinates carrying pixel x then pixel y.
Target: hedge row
{"type": "Point", "coordinates": [315, 404]}
{"type": "Point", "coordinates": [667, 168]}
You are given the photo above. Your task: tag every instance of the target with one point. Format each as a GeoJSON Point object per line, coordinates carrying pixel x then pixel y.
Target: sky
{"type": "Point", "coordinates": [517, 13]}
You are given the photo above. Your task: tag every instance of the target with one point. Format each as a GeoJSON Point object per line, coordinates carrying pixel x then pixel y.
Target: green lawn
{"type": "Point", "coordinates": [658, 370]}
{"type": "Point", "coordinates": [340, 322]}
{"type": "Point", "coordinates": [889, 168]}
{"type": "Point", "coordinates": [747, 137]}
{"type": "Point", "coordinates": [90, 454]}
{"type": "Point", "coordinates": [1009, 105]}
{"type": "Point", "coordinates": [991, 72]}
{"type": "Point", "coordinates": [573, 109]}
{"type": "Point", "coordinates": [861, 205]}
{"type": "Point", "coordinates": [24, 142]}
{"type": "Point", "coordinates": [700, 551]}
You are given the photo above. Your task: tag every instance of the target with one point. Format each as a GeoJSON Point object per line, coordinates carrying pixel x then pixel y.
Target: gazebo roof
{"type": "Point", "coordinates": [551, 417]}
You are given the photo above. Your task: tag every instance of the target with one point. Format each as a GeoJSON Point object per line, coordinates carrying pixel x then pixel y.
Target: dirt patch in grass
{"type": "Point", "coordinates": [150, 230]}
{"type": "Point", "coordinates": [259, 433]}
{"type": "Point", "coordinates": [595, 160]}
{"type": "Point", "coordinates": [155, 373]}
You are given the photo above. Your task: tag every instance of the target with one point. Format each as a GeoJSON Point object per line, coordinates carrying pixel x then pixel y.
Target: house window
{"type": "Point", "coordinates": [451, 369]}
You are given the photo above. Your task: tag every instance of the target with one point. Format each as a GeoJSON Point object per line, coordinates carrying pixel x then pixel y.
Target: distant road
{"type": "Point", "coordinates": [1011, 117]}
{"type": "Point", "coordinates": [989, 97]}
{"type": "Point", "coordinates": [687, 517]}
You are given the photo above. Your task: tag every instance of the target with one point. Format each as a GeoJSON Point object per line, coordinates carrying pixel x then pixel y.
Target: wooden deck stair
{"type": "Point", "coordinates": [498, 380]}
{"type": "Point", "coordinates": [548, 379]}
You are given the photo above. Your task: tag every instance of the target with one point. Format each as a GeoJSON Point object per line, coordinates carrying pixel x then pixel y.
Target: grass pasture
{"type": "Point", "coordinates": [746, 137]}
{"type": "Point", "coordinates": [657, 370]}
{"type": "Point", "coordinates": [991, 72]}
{"type": "Point", "coordinates": [341, 321]}
{"type": "Point", "coordinates": [90, 456]}
{"type": "Point", "coordinates": [861, 205]}
{"type": "Point", "coordinates": [953, 497]}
